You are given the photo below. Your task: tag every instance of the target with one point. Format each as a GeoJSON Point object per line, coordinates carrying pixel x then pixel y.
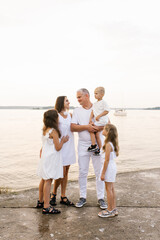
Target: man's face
{"type": "Point", "coordinates": [81, 98]}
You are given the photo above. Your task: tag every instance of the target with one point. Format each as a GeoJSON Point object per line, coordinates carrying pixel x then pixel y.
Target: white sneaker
{"type": "Point", "coordinates": [102, 204]}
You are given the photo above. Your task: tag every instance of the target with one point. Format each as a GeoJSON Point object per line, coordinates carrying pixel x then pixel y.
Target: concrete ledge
{"type": "Point", "coordinates": [138, 201]}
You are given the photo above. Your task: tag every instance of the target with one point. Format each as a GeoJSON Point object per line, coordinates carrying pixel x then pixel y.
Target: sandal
{"type": "Point", "coordinates": [115, 212]}
{"type": "Point", "coordinates": [50, 210]}
{"type": "Point", "coordinates": [106, 214]}
{"type": "Point", "coordinates": [40, 204]}
{"type": "Point", "coordinates": [66, 202]}
{"type": "Point", "coordinates": [53, 200]}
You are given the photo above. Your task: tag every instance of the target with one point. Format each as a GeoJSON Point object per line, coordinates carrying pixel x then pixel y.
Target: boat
{"type": "Point", "coordinates": [120, 112]}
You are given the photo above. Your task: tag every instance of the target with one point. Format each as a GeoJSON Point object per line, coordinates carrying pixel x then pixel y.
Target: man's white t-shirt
{"type": "Point", "coordinates": [81, 116]}
{"type": "Point", "coordinates": [98, 108]}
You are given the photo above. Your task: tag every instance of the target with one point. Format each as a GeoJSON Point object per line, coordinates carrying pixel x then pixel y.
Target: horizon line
{"type": "Point", "coordinates": [71, 107]}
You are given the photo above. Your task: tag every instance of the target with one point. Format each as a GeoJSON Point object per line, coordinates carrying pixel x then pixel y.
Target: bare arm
{"type": "Point", "coordinates": [101, 115]}
{"type": "Point", "coordinates": [107, 154]}
{"type": "Point", "coordinates": [40, 154]}
{"type": "Point", "coordinates": [80, 128]}
{"type": "Point", "coordinates": [58, 144]}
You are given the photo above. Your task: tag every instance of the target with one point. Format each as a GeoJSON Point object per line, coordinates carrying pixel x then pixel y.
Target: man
{"type": "Point", "coordinates": [80, 124]}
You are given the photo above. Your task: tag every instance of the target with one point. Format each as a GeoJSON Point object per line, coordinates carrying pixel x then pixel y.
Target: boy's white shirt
{"type": "Point", "coordinates": [98, 108]}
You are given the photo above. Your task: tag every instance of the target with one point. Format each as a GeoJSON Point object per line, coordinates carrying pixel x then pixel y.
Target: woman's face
{"type": "Point", "coordinates": [66, 104]}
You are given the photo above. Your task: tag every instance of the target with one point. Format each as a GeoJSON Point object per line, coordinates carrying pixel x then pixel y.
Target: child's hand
{"type": "Point", "coordinates": [97, 118]}
{"type": "Point", "coordinates": [102, 177]}
{"type": "Point", "coordinates": [65, 139]}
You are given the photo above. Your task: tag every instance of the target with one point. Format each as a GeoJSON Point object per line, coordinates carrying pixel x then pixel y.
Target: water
{"type": "Point", "coordinates": [20, 142]}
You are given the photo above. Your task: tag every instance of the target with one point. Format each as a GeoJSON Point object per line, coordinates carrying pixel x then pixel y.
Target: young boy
{"type": "Point", "coordinates": [99, 113]}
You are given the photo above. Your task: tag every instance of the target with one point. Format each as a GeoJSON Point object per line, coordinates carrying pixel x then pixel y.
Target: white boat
{"type": "Point", "coordinates": [120, 112]}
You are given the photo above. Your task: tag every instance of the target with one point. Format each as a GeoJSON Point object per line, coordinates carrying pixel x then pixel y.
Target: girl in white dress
{"type": "Point", "coordinates": [109, 170]}
{"type": "Point", "coordinates": [50, 164]}
{"type": "Point", "coordinates": [68, 150]}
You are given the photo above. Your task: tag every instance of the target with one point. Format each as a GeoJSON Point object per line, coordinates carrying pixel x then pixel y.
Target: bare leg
{"type": "Point", "coordinates": [56, 184]}
{"type": "Point", "coordinates": [110, 197]}
{"type": "Point", "coordinates": [64, 181]}
{"type": "Point", "coordinates": [41, 185]}
{"type": "Point", "coordinates": [93, 138]}
{"type": "Point", "coordinates": [97, 135]}
{"type": "Point", "coordinates": [114, 197]}
{"type": "Point", "coordinates": [47, 189]}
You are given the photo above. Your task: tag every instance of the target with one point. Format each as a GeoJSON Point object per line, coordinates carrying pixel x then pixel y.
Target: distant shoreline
{"type": "Point", "coordinates": [72, 107]}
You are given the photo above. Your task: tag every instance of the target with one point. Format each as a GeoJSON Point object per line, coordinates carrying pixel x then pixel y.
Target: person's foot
{"type": "Point", "coordinates": [115, 211]}
{"type": "Point", "coordinates": [65, 201]}
{"type": "Point", "coordinates": [92, 148]}
{"type": "Point", "coordinates": [102, 204]}
{"type": "Point", "coordinates": [106, 214]}
{"type": "Point", "coordinates": [40, 204]}
{"type": "Point", "coordinates": [81, 202]}
{"type": "Point", "coordinates": [53, 200]}
{"type": "Point", "coordinates": [50, 210]}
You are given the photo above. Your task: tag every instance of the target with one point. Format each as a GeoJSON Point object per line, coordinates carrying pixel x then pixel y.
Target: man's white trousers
{"type": "Point", "coordinates": [83, 159]}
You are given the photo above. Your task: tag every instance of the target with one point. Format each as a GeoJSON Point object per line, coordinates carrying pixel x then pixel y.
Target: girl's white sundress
{"type": "Point", "coordinates": [110, 175]}
{"type": "Point", "coordinates": [50, 164]}
{"type": "Point", "coordinates": [68, 149]}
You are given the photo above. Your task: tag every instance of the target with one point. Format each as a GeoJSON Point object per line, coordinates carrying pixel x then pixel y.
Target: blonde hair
{"type": "Point", "coordinates": [112, 137]}
{"type": "Point", "coordinates": [100, 90]}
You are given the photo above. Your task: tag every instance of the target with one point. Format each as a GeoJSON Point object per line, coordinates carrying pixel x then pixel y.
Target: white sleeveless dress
{"type": "Point", "coordinates": [110, 175]}
{"type": "Point", "coordinates": [68, 149]}
{"type": "Point", "coordinates": [50, 164]}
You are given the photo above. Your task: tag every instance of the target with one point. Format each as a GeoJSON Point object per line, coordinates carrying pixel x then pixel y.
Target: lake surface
{"type": "Point", "coordinates": [20, 142]}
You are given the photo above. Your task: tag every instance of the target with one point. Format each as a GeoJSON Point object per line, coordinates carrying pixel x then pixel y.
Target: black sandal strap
{"type": "Point", "coordinates": [53, 195]}
{"type": "Point", "coordinates": [50, 210]}
{"type": "Point", "coordinates": [39, 204]}
{"type": "Point", "coordinates": [67, 202]}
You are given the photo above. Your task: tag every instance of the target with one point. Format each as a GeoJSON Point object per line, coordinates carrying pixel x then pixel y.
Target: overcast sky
{"type": "Point", "coordinates": [54, 47]}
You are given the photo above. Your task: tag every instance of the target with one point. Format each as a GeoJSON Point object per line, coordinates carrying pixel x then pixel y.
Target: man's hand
{"type": "Point", "coordinates": [91, 122]}
{"type": "Point", "coordinates": [92, 128]}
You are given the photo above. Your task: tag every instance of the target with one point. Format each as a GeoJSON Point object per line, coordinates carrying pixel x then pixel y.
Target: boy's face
{"type": "Point", "coordinates": [98, 95]}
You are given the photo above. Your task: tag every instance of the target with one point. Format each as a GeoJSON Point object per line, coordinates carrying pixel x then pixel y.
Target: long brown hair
{"type": "Point", "coordinates": [50, 120]}
{"type": "Point", "coordinates": [112, 137]}
{"type": "Point", "coordinates": [59, 105]}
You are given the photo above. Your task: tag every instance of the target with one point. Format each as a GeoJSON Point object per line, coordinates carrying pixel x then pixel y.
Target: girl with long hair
{"type": "Point", "coordinates": [50, 164]}
{"type": "Point", "coordinates": [108, 174]}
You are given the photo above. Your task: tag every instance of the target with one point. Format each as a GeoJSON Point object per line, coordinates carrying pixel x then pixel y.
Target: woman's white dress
{"type": "Point", "coordinates": [68, 149]}
{"type": "Point", "coordinates": [50, 164]}
{"type": "Point", "coordinates": [110, 174]}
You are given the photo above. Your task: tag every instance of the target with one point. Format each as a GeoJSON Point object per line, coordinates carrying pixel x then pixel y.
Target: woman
{"type": "Point", "coordinates": [67, 151]}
